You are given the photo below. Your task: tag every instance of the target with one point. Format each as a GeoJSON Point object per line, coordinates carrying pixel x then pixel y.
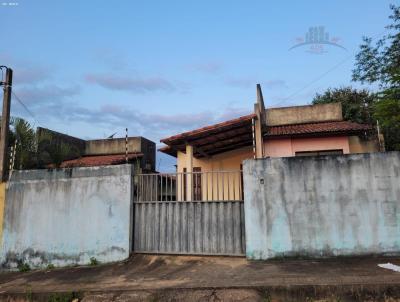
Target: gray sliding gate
{"type": "Point", "coordinates": [189, 213]}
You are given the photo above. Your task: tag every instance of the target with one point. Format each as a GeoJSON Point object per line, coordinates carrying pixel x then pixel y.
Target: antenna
{"type": "Point", "coordinates": [112, 135]}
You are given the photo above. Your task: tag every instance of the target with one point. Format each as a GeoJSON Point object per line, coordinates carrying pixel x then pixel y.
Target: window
{"type": "Point", "coordinates": [320, 152]}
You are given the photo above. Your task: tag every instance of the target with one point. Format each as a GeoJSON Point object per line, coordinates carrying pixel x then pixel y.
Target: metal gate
{"type": "Point", "coordinates": [189, 213]}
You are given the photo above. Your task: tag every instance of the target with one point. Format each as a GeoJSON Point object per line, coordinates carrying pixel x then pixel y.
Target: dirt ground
{"type": "Point", "coordinates": [184, 278]}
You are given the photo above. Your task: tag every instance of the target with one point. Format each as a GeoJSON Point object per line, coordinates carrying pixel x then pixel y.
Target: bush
{"type": "Point", "coordinates": [23, 267]}
{"type": "Point", "coordinates": [93, 261]}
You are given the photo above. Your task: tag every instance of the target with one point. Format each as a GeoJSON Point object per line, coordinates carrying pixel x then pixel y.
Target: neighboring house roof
{"type": "Point", "coordinates": [99, 160]}
{"type": "Point", "coordinates": [237, 133]}
{"type": "Point", "coordinates": [338, 127]}
{"type": "Point", "coordinates": [227, 125]}
{"type": "Point", "coordinates": [210, 140]}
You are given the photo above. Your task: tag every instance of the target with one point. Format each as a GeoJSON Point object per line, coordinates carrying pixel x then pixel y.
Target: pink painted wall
{"type": "Point", "coordinates": [284, 147]}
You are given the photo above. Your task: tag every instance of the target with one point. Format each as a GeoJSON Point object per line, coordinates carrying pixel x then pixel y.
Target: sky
{"type": "Point", "coordinates": [158, 68]}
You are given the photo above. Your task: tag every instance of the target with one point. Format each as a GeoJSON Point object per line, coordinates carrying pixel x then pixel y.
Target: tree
{"type": "Point", "coordinates": [380, 64]}
{"type": "Point", "coordinates": [387, 112]}
{"type": "Point", "coordinates": [22, 135]}
{"type": "Point", "coordinates": [357, 105]}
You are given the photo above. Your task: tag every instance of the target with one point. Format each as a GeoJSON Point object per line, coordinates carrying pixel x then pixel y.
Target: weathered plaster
{"type": "Point", "coordinates": [322, 206]}
{"type": "Point", "coordinates": [67, 216]}
{"type": "Point", "coordinates": [304, 114]}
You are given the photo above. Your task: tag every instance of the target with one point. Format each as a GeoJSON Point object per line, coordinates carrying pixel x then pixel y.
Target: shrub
{"type": "Point", "coordinates": [93, 261]}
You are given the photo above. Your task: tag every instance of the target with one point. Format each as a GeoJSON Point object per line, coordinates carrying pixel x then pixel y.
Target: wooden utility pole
{"type": "Point", "coordinates": [5, 125]}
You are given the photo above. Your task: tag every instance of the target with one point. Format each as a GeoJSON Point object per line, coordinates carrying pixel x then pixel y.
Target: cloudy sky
{"type": "Point", "coordinates": [92, 68]}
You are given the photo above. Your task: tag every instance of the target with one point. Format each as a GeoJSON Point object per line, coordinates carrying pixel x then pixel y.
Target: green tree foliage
{"type": "Point", "coordinates": [22, 135]}
{"type": "Point", "coordinates": [379, 63]}
{"type": "Point", "coordinates": [387, 112]}
{"type": "Point", "coordinates": [357, 105]}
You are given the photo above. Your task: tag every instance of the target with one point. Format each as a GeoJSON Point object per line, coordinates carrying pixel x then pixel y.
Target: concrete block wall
{"type": "Point", "coordinates": [117, 146]}
{"type": "Point", "coordinates": [322, 206]}
{"type": "Point", "coordinates": [67, 216]}
{"type": "Point", "coordinates": [304, 114]}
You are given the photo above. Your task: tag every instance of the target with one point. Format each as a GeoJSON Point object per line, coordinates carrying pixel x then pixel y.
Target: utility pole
{"type": "Point", "coordinates": [5, 124]}
{"type": "Point", "coordinates": [126, 145]}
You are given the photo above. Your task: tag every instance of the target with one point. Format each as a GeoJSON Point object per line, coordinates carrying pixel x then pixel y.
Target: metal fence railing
{"type": "Point", "coordinates": [189, 186]}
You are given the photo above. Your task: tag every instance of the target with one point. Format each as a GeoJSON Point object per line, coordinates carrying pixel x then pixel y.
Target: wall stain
{"type": "Point", "coordinates": [335, 205]}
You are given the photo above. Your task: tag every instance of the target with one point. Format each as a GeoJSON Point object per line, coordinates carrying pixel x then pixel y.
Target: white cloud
{"type": "Point", "coordinates": [131, 84]}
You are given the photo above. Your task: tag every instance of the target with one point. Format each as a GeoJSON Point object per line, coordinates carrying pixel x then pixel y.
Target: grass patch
{"type": "Point", "coordinates": [28, 294]}
{"type": "Point", "coordinates": [64, 297]}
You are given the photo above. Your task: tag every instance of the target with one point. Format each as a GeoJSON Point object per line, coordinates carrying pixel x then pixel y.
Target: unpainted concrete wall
{"type": "Point", "coordinates": [112, 146]}
{"type": "Point", "coordinates": [322, 206]}
{"type": "Point", "coordinates": [117, 146]}
{"type": "Point", "coordinates": [148, 148]}
{"type": "Point", "coordinates": [47, 136]}
{"type": "Point", "coordinates": [304, 114]}
{"type": "Point", "coordinates": [67, 216]}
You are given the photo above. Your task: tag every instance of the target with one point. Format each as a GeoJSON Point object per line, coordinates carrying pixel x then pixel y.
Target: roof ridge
{"type": "Point", "coordinates": [316, 123]}
{"type": "Point", "coordinates": [309, 123]}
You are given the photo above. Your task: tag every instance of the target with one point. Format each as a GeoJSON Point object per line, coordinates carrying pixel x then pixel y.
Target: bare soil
{"type": "Point", "coordinates": [191, 278]}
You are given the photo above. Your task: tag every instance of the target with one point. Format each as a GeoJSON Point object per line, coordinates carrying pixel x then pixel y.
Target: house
{"type": "Point", "coordinates": [310, 130]}
{"type": "Point", "coordinates": [113, 151]}
{"type": "Point", "coordinates": [138, 151]}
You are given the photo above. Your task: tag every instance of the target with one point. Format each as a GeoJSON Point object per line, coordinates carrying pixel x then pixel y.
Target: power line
{"type": "Point", "coordinates": [328, 71]}
{"type": "Point", "coordinates": [318, 78]}
{"type": "Point", "coordinates": [25, 107]}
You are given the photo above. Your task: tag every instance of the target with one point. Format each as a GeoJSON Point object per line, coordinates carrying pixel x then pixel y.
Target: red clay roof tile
{"type": "Point", "coordinates": [316, 128]}
{"type": "Point", "coordinates": [205, 130]}
{"type": "Point", "coordinates": [210, 136]}
{"type": "Point", "coordinates": [99, 160]}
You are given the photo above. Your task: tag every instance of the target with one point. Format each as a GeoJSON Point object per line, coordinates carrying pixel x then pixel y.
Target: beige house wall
{"type": "Point", "coordinates": [227, 161]}
{"type": "Point", "coordinates": [220, 178]}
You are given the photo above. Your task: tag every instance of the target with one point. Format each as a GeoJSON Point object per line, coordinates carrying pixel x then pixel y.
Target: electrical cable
{"type": "Point", "coordinates": [328, 71]}
{"type": "Point", "coordinates": [25, 107]}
